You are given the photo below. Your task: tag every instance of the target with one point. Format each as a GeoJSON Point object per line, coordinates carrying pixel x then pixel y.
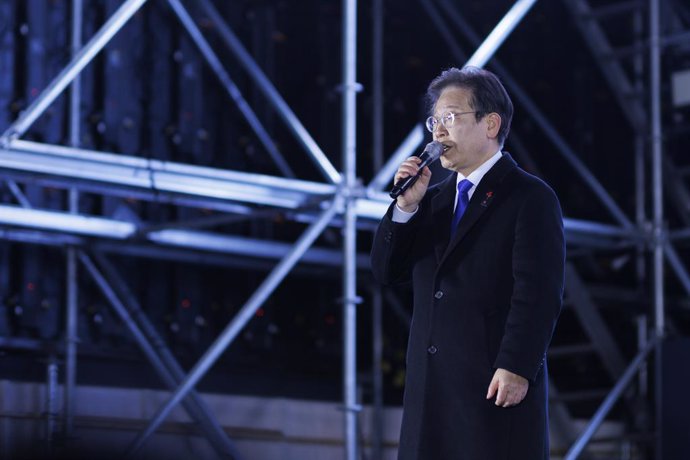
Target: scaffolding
{"type": "Point", "coordinates": [340, 201]}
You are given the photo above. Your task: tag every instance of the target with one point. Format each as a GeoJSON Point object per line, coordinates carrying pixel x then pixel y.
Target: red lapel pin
{"type": "Point", "coordinates": [487, 199]}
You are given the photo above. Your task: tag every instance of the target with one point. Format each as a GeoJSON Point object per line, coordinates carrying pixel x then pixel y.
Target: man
{"type": "Point", "coordinates": [487, 292]}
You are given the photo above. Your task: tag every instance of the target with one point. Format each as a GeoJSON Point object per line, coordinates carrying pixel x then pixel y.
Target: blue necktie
{"type": "Point", "coordinates": [463, 199]}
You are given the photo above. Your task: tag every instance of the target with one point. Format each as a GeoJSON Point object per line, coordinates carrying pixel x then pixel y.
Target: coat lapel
{"type": "Point", "coordinates": [482, 198]}
{"type": "Point", "coordinates": [441, 214]}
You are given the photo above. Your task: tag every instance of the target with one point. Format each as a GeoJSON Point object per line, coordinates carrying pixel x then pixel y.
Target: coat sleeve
{"type": "Point", "coordinates": [538, 274]}
{"type": "Point", "coordinates": [391, 253]}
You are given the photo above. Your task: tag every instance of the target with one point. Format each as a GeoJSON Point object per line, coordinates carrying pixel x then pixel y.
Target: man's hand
{"type": "Point", "coordinates": [510, 389]}
{"type": "Point", "coordinates": [409, 200]}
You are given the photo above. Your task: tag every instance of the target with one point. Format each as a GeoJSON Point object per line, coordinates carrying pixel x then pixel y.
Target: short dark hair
{"type": "Point", "coordinates": [487, 94]}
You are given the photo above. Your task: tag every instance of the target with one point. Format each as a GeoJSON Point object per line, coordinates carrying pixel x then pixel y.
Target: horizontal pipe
{"type": "Point", "coordinates": [102, 227]}
{"type": "Point", "coordinates": [169, 238]}
{"type": "Point", "coordinates": [130, 171]}
{"type": "Point", "coordinates": [210, 183]}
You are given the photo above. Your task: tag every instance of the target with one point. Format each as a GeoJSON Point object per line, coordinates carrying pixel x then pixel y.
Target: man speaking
{"type": "Point", "coordinates": [485, 252]}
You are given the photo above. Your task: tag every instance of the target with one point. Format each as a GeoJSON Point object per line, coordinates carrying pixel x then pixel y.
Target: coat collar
{"type": "Point", "coordinates": [442, 205]}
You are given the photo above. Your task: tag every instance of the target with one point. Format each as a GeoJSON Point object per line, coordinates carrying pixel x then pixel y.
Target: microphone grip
{"type": "Point", "coordinates": [402, 185]}
{"type": "Point", "coordinates": [431, 153]}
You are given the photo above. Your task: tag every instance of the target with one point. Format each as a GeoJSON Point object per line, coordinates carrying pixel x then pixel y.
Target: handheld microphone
{"type": "Point", "coordinates": [431, 153]}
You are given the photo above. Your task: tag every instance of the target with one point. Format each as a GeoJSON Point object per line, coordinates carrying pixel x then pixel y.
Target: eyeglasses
{"type": "Point", "coordinates": [447, 119]}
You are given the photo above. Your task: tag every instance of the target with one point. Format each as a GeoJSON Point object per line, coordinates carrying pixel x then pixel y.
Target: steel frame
{"type": "Point", "coordinates": [315, 203]}
{"type": "Point", "coordinates": [658, 239]}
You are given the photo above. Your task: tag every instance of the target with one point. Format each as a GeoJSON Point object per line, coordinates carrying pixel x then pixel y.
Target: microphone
{"type": "Point", "coordinates": [431, 153]}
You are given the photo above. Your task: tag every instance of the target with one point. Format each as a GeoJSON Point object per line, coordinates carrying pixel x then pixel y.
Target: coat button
{"type": "Point", "coordinates": [438, 294]}
{"type": "Point", "coordinates": [432, 350]}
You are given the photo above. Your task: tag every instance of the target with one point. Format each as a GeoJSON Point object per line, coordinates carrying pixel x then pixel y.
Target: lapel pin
{"type": "Point", "coordinates": [487, 199]}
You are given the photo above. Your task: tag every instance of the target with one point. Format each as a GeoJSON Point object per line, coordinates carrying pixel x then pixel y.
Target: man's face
{"type": "Point", "coordinates": [468, 143]}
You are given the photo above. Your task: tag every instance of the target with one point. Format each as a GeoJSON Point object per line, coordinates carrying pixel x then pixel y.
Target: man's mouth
{"type": "Point", "coordinates": [445, 148]}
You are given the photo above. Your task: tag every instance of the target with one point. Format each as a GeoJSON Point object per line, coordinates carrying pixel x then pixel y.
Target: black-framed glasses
{"type": "Point", "coordinates": [446, 119]}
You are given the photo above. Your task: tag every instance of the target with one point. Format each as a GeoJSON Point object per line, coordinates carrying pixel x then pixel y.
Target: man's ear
{"type": "Point", "coordinates": [493, 125]}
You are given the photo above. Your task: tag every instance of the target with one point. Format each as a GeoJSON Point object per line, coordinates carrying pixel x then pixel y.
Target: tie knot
{"type": "Point", "coordinates": [464, 186]}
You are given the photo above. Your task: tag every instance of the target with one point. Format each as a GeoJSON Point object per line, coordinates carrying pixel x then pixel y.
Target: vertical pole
{"type": "Point", "coordinates": [377, 84]}
{"type": "Point", "coordinates": [349, 88]}
{"type": "Point", "coordinates": [640, 170]}
{"type": "Point", "coordinates": [72, 287]}
{"type": "Point", "coordinates": [377, 300]}
{"type": "Point", "coordinates": [75, 92]}
{"type": "Point", "coordinates": [642, 340]}
{"type": "Point", "coordinates": [71, 340]}
{"type": "Point", "coordinates": [655, 101]}
{"type": "Point", "coordinates": [51, 401]}
{"type": "Point", "coordinates": [377, 377]}
{"type": "Point", "coordinates": [655, 89]}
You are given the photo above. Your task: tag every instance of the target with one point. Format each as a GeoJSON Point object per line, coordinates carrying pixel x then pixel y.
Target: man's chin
{"type": "Point", "coordinates": [446, 164]}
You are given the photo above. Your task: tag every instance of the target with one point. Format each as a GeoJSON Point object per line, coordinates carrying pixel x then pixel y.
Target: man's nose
{"type": "Point", "coordinates": [440, 131]}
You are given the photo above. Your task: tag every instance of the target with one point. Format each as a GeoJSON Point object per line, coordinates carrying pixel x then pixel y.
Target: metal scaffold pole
{"type": "Point", "coordinates": [657, 180]}
{"type": "Point", "coordinates": [350, 300]}
{"type": "Point", "coordinates": [377, 12]}
{"type": "Point", "coordinates": [71, 338]}
{"type": "Point", "coordinates": [657, 205]}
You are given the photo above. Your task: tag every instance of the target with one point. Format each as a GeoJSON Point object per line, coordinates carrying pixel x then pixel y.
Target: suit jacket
{"type": "Point", "coordinates": [488, 298]}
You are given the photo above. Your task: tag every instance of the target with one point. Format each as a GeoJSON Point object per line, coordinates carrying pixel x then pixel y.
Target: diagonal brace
{"type": "Point", "coordinates": [153, 347]}
{"type": "Point", "coordinates": [76, 65]}
{"type": "Point", "coordinates": [235, 326]}
{"type": "Point", "coordinates": [264, 84]}
{"type": "Point", "coordinates": [235, 94]}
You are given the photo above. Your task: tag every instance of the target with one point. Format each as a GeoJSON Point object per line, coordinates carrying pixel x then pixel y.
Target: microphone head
{"type": "Point", "coordinates": [434, 149]}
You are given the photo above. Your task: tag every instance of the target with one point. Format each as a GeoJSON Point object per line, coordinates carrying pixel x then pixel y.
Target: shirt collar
{"type": "Point", "coordinates": [476, 176]}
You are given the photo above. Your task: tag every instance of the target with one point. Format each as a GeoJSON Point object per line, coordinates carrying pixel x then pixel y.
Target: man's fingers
{"type": "Point", "coordinates": [408, 168]}
{"type": "Point", "coordinates": [511, 395]}
{"type": "Point", "coordinates": [493, 386]}
{"type": "Point", "coordinates": [505, 395]}
{"type": "Point", "coordinates": [510, 388]}
{"type": "Point", "coordinates": [501, 396]}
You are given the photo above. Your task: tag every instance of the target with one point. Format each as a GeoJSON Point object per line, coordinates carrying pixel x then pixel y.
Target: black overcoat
{"type": "Point", "coordinates": [487, 299]}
